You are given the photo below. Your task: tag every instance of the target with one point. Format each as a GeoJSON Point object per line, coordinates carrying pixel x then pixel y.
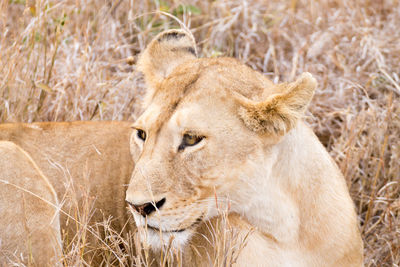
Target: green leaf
{"type": "Point", "coordinates": [195, 10]}
{"type": "Point", "coordinates": [20, 2]}
{"type": "Point", "coordinates": [164, 6]}
{"type": "Point", "coordinates": [181, 9]}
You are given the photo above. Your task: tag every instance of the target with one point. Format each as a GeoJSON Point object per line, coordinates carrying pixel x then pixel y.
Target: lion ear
{"type": "Point", "coordinates": [164, 53]}
{"type": "Point", "coordinates": [279, 112]}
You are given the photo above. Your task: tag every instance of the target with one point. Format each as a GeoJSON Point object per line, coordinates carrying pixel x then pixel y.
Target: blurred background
{"type": "Point", "coordinates": [75, 60]}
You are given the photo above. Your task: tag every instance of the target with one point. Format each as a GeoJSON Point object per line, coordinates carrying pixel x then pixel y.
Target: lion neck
{"type": "Point", "coordinates": [268, 195]}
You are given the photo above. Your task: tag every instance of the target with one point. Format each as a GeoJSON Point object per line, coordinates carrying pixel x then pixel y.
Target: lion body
{"type": "Point", "coordinates": [22, 230]}
{"type": "Point", "coordinates": [82, 164]}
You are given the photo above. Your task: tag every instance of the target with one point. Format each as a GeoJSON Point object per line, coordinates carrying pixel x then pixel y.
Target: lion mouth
{"type": "Point", "coordinates": [196, 223]}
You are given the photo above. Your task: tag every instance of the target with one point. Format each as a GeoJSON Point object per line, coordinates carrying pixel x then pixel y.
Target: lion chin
{"type": "Point", "coordinates": [158, 239]}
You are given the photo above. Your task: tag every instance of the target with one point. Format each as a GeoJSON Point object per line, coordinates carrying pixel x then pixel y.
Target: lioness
{"type": "Point", "coordinates": [45, 167]}
{"type": "Point", "coordinates": [216, 133]}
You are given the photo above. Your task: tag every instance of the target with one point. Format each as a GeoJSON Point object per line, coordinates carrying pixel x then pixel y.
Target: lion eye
{"type": "Point", "coordinates": [189, 140]}
{"type": "Point", "coordinates": [141, 134]}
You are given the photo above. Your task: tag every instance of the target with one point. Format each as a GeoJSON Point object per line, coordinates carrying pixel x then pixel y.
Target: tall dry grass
{"type": "Point", "coordinates": [74, 60]}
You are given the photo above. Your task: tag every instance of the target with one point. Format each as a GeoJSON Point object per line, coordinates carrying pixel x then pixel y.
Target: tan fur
{"type": "Point", "coordinates": [256, 159]}
{"type": "Point", "coordinates": [81, 160]}
{"type": "Point", "coordinates": [22, 231]}
{"type": "Point", "coordinates": [280, 112]}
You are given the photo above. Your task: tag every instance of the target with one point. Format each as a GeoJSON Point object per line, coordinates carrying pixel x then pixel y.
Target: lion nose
{"type": "Point", "coordinates": [147, 208]}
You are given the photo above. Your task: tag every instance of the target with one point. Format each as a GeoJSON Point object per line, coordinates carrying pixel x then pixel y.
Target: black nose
{"type": "Point", "coordinates": [147, 208]}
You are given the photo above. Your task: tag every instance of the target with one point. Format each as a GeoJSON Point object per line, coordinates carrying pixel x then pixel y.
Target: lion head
{"type": "Point", "coordinates": [203, 133]}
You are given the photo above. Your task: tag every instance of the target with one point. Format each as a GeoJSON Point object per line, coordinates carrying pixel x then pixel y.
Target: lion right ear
{"type": "Point", "coordinates": [165, 52]}
{"type": "Point", "coordinates": [279, 112]}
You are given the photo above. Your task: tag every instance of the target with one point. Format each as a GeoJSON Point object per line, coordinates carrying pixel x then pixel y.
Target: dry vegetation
{"type": "Point", "coordinates": [74, 60]}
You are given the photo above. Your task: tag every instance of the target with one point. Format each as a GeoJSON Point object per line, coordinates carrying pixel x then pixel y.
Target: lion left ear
{"type": "Point", "coordinates": [279, 112]}
{"type": "Point", "coordinates": [163, 54]}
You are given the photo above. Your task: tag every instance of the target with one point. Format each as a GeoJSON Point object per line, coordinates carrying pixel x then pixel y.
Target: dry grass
{"type": "Point", "coordinates": [72, 60]}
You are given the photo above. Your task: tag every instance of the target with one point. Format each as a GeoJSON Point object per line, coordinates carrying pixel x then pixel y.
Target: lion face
{"type": "Point", "coordinates": [195, 142]}
{"type": "Point", "coordinates": [183, 148]}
